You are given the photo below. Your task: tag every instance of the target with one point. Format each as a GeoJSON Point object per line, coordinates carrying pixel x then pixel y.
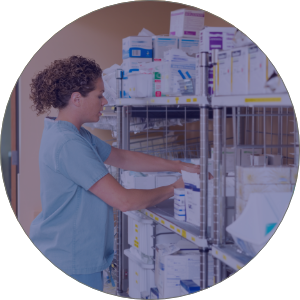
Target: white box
{"type": "Point", "coordinates": [258, 159]}
{"type": "Point", "coordinates": [189, 46]}
{"type": "Point", "coordinates": [140, 276]}
{"type": "Point", "coordinates": [244, 156]}
{"type": "Point", "coordinates": [239, 69]}
{"type": "Point", "coordinates": [263, 175]}
{"type": "Point", "coordinates": [137, 47]}
{"type": "Point", "coordinates": [130, 65]}
{"type": "Point", "coordinates": [171, 268]}
{"type": "Point", "coordinates": [223, 84]}
{"type": "Point", "coordinates": [258, 70]}
{"type": "Point", "coordinates": [220, 38]}
{"type": "Point", "coordinates": [192, 205]}
{"type": "Point", "coordinates": [170, 76]}
{"type": "Point", "coordinates": [162, 44]}
{"type": "Point", "coordinates": [243, 191]}
{"type": "Point", "coordinates": [140, 85]}
{"type": "Point", "coordinates": [186, 23]}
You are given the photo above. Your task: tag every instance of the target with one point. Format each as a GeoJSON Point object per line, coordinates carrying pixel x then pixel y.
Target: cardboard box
{"type": "Point", "coordinates": [257, 175]}
{"type": "Point", "coordinates": [223, 84]}
{"type": "Point", "coordinates": [137, 47]}
{"type": "Point", "coordinates": [172, 267]}
{"type": "Point", "coordinates": [220, 38]}
{"type": "Point", "coordinates": [239, 71]}
{"type": "Point", "coordinates": [162, 44]}
{"type": "Point", "coordinates": [189, 46]}
{"type": "Point", "coordinates": [186, 23]}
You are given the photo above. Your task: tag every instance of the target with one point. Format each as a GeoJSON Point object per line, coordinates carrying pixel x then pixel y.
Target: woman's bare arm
{"type": "Point", "coordinates": [111, 192]}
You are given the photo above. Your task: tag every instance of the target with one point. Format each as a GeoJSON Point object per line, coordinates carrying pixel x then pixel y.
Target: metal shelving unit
{"type": "Point", "coordinates": [248, 114]}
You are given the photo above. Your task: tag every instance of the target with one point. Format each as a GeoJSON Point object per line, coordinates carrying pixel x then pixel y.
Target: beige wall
{"type": "Point", "coordinates": [97, 35]}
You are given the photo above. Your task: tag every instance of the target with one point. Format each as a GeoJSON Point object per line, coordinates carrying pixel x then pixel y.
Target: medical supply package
{"type": "Point", "coordinates": [186, 23]}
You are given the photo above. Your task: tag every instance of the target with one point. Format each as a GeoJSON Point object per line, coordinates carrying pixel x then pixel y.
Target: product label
{"type": "Point", "coordinates": [190, 32]}
{"type": "Point", "coordinates": [253, 49]}
{"type": "Point", "coordinates": [222, 55]}
{"type": "Point", "coordinates": [236, 53]}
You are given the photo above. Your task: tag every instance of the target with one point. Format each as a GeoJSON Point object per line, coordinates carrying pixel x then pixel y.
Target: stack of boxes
{"type": "Point", "coordinates": [140, 256]}
{"type": "Point", "coordinates": [246, 70]}
{"type": "Point", "coordinates": [135, 50]}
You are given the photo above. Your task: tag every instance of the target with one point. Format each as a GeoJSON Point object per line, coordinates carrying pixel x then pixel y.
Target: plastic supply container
{"type": "Point", "coordinates": [140, 276]}
{"type": "Point", "coordinates": [187, 86]}
{"type": "Point", "coordinates": [259, 220]}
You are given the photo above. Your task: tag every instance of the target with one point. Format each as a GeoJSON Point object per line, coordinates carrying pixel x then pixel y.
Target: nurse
{"type": "Point", "coordinates": [75, 229]}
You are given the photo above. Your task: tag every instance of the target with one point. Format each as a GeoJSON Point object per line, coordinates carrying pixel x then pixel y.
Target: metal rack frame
{"type": "Point", "coordinates": [244, 111]}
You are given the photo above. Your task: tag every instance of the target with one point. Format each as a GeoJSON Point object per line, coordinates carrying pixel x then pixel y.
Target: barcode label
{"type": "Point", "coordinates": [136, 52]}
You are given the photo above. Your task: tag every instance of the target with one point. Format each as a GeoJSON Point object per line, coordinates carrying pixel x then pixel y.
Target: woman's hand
{"type": "Point", "coordinates": [179, 184]}
{"type": "Point", "coordinates": [191, 168]}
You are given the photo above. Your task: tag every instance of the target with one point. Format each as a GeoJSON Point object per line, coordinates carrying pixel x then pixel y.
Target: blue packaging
{"type": "Point", "coordinates": [189, 287]}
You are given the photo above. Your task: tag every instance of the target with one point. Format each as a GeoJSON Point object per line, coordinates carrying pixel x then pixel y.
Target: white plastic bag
{"type": "Point", "coordinates": [146, 32]}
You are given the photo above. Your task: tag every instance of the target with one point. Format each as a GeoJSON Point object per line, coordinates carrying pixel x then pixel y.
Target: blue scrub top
{"type": "Point", "coordinates": [75, 229]}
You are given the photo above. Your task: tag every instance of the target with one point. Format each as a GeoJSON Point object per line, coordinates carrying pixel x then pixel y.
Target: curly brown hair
{"type": "Point", "coordinates": [54, 86]}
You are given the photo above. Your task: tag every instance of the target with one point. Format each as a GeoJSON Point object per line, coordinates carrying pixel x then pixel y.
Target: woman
{"type": "Point", "coordinates": [75, 229]}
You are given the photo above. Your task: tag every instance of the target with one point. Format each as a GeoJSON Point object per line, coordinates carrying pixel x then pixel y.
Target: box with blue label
{"type": "Point", "coordinates": [189, 46]}
{"type": "Point", "coordinates": [162, 44]}
{"type": "Point", "coordinates": [174, 263]}
{"type": "Point", "coordinates": [137, 47]}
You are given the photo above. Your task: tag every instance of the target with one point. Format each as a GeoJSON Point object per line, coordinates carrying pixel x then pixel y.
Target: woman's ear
{"type": "Point", "coordinates": [75, 99]}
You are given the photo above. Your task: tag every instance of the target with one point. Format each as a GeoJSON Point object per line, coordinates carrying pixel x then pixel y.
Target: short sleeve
{"type": "Point", "coordinates": [103, 148]}
{"type": "Point", "coordinates": [79, 162]}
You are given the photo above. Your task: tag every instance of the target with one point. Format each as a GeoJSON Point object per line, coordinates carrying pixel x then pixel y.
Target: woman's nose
{"type": "Point", "coordinates": [104, 101]}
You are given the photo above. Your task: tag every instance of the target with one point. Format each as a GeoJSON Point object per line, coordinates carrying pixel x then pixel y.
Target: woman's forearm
{"type": "Point", "coordinates": [140, 162]}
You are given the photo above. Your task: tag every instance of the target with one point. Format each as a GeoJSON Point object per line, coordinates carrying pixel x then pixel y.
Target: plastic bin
{"type": "Point", "coordinates": [259, 220]}
{"type": "Point", "coordinates": [140, 276]}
